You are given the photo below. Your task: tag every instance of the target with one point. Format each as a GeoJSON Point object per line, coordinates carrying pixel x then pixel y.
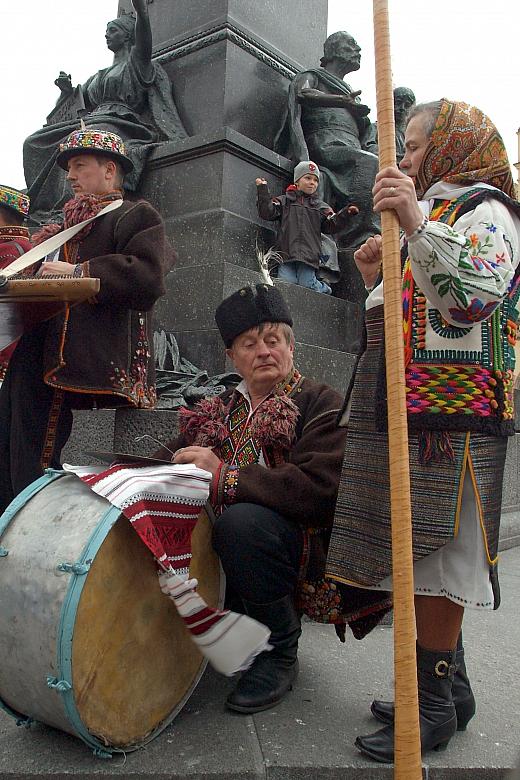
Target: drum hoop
{"type": "Point", "coordinates": [66, 630]}
{"type": "Point", "coordinates": [21, 720]}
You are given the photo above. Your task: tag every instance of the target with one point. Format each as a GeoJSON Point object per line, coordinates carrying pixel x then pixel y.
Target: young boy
{"type": "Point", "coordinates": [304, 217]}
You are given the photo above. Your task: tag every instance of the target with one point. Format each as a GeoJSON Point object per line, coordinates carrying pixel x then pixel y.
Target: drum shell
{"type": "Point", "coordinates": [102, 628]}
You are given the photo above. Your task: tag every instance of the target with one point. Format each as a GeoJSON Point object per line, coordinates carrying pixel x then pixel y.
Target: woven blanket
{"type": "Point", "coordinates": [161, 501]}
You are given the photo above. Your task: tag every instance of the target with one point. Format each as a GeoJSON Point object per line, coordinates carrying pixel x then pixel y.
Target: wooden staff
{"type": "Point", "coordinates": [407, 762]}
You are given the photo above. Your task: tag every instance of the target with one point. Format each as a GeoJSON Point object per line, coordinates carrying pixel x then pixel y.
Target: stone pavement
{"type": "Point", "coordinates": [310, 735]}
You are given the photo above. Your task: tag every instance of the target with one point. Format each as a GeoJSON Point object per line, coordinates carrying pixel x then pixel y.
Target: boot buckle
{"type": "Point", "coordinates": [444, 669]}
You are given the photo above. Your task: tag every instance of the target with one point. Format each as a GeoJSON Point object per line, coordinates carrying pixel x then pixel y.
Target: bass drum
{"type": "Point", "coordinates": [88, 643]}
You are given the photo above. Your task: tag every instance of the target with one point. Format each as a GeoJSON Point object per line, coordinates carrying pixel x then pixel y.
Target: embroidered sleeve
{"type": "Point", "coordinates": [226, 488]}
{"type": "Point", "coordinates": [466, 271]}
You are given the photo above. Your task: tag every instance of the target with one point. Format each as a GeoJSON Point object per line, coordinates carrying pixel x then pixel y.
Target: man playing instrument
{"type": "Point", "coordinates": [98, 353]}
{"type": "Point", "coordinates": [14, 241]}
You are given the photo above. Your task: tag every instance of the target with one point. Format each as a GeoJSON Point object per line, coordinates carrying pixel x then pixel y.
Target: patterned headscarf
{"type": "Point", "coordinates": [465, 148]}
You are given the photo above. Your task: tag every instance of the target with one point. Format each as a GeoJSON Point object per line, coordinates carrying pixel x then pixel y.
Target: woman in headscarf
{"type": "Point", "coordinates": [453, 196]}
{"type": "Point", "coordinates": [132, 98]}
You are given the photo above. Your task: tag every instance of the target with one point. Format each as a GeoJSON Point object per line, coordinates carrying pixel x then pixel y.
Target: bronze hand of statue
{"type": "Point", "coordinates": [318, 97]}
{"type": "Point", "coordinates": [310, 92]}
{"type": "Point", "coordinates": [352, 97]}
{"type": "Point", "coordinates": [64, 83]}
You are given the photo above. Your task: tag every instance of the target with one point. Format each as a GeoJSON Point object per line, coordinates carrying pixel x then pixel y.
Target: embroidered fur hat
{"type": "Point", "coordinates": [245, 309]}
{"type": "Point", "coordinates": [92, 141]}
{"type": "Point", "coordinates": [306, 166]}
{"type": "Point", "coordinates": [15, 200]}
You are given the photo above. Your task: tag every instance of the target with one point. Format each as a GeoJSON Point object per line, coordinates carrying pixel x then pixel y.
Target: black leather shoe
{"type": "Point", "coordinates": [272, 673]}
{"type": "Point", "coordinates": [437, 717]}
{"type": "Point", "coordinates": [463, 698]}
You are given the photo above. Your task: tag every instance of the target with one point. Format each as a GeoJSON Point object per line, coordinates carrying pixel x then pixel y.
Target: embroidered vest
{"type": "Point", "coordinates": [459, 378]}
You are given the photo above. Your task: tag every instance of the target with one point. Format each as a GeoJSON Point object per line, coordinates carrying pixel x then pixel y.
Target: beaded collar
{"type": "Point", "coordinates": [12, 232]}
{"type": "Point", "coordinates": [290, 384]}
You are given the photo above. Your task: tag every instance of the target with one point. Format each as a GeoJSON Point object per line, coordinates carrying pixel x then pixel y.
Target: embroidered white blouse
{"type": "Point", "coordinates": [465, 270]}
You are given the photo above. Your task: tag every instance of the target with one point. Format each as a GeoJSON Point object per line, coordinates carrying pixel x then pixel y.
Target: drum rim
{"type": "Point", "coordinates": [65, 633]}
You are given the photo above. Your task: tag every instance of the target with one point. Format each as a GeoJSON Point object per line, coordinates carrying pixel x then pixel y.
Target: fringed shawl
{"type": "Point", "coordinates": [272, 425]}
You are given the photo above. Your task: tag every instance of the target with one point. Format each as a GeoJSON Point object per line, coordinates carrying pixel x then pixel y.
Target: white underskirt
{"type": "Point", "coordinates": [459, 570]}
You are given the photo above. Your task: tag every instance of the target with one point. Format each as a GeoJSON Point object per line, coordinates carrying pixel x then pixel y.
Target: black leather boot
{"type": "Point", "coordinates": [461, 692]}
{"type": "Point", "coordinates": [272, 673]}
{"type": "Point", "coordinates": [437, 717]}
{"type": "Point", "coordinates": [463, 697]}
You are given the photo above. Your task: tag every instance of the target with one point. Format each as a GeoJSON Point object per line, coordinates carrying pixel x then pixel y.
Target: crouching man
{"type": "Point", "coordinates": [275, 454]}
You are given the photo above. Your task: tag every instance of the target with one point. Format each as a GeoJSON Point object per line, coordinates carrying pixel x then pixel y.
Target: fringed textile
{"type": "Point", "coordinates": [435, 446]}
{"type": "Point", "coordinates": [75, 211]}
{"type": "Point", "coordinates": [163, 504]}
{"type": "Point", "coordinates": [272, 425]}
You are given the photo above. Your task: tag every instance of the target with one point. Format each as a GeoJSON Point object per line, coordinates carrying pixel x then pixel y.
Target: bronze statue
{"type": "Point", "coordinates": [326, 122]}
{"type": "Point", "coordinates": [404, 99]}
{"type": "Point", "coordinates": [132, 97]}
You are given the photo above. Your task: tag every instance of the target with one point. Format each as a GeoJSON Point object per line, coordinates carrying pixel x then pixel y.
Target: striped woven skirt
{"type": "Point", "coordinates": [360, 550]}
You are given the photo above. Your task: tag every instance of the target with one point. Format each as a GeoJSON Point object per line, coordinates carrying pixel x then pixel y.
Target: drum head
{"type": "Point", "coordinates": [133, 661]}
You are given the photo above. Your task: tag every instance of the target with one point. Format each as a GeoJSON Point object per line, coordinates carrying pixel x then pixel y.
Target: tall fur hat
{"type": "Point", "coordinates": [245, 309]}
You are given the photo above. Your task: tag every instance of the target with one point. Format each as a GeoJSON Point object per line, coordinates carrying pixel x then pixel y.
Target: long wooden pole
{"type": "Point", "coordinates": [407, 762]}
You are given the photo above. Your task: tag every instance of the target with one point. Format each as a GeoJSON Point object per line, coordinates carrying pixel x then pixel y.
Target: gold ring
{"type": "Point", "coordinates": [392, 192]}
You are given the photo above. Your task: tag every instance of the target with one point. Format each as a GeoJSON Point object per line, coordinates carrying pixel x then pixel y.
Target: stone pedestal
{"type": "Point", "coordinates": [230, 63]}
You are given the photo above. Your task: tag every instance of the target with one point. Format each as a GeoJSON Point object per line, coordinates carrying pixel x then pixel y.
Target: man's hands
{"type": "Point", "coordinates": [203, 457]}
{"type": "Point", "coordinates": [56, 268]}
{"type": "Point", "coordinates": [258, 182]}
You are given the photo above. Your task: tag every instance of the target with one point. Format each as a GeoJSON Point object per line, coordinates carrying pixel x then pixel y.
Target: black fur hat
{"type": "Point", "coordinates": [244, 310]}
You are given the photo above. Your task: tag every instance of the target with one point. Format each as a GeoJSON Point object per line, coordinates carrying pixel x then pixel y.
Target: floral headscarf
{"type": "Point", "coordinates": [465, 148]}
